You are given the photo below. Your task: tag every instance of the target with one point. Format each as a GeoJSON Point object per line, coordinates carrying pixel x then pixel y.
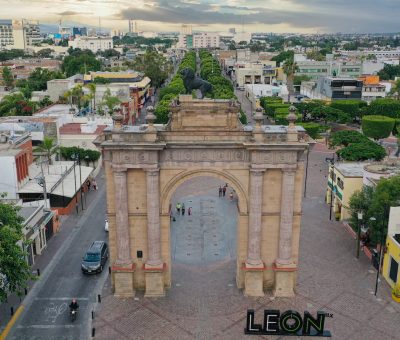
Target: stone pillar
{"type": "Point", "coordinates": [123, 268]}
{"type": "Point", "coordinates": [154, 267]}
{"type": "Point", "coordinates": [254, 240]}
{"type": "Point", "coordinates": [153, 218]}
{"type": "Point", "coordinates": [254, 266]}
{"type": "Point", "coordinates": [284, 266]}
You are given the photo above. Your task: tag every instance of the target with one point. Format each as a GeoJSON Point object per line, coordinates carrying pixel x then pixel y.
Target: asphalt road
{"type": "Point", "coordinates": [46, 314]}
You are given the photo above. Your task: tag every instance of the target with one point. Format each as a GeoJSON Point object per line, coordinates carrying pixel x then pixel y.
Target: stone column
{"type": "Point", "coordinates": [285, 269]}
{"type": "Point", "coordinates": [287, 205]}
{"type": "Point", "coordinates": [254, 265]}
{"type": "Point", "coordinates": [122, 221]}
{"type": "Point", "coordinates": [123, 268]}
{"type": "Point", "coordinates": [153, 218]}
{"type": "Point", "coordinates": [154, 267]}
{"type": "Point", "coordinates": [254, 238]}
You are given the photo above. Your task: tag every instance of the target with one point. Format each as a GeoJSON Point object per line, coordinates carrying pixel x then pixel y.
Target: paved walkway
{"type": "Point", "coordinates": [53, 246]}
{"type": "Point", "coordinates": [204, 303]}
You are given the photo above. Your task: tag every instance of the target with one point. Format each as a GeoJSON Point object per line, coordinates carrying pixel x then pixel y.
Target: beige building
{"type": "Point", "coordinates": [145, 164]}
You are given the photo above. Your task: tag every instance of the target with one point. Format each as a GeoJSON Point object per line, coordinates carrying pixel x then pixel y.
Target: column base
{"type": "Point", "coordinates": [253, 280]}
{"type": "Point", "coordinates": [154, 277]}
{"type": "Point", "coordinates": [284, 279]}
{"type": "Point", "coordinates": [123, 280]}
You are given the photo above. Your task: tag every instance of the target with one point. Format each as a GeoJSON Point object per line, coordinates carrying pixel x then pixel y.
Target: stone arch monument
{"type": "Point", "coordinates": [145, 164]}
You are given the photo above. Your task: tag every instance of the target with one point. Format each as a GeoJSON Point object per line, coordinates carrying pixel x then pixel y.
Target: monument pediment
{"type": "Point", "coordinates": [206, 114]}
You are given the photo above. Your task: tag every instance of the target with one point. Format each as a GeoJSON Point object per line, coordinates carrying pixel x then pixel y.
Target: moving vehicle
{"type": "Point", "coordinates": [95, 258]}
{"type": "Point", "coordinates": [72, 314]}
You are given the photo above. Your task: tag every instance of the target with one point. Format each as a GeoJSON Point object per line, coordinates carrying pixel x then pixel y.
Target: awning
{"type": "Point", "coordinates": [66, 187]}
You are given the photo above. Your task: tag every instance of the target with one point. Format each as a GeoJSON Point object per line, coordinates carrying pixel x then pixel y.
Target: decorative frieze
{"type": "Point", "coordinates": [204, 155]}
{"type": "Point", "coordinates": [274, 157]}
{"type": "Point", "coordinates": [135, 157]}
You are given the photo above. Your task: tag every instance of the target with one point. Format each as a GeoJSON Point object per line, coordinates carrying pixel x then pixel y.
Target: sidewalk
{"type": "Point", "coordinates": [53, 245]}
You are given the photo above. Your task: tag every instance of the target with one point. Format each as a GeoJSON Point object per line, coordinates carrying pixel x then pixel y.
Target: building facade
{"type": "Point", "coordinates": [329, 68]}
{"type": "Point", "coordinates": [391, 259]}
{"type": "Point", "coordinates": [95, 44]}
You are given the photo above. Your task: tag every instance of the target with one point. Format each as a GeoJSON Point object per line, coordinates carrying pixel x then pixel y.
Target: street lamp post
{"type": "Point", "coordinates": [78, 160]}
{"type": "Point", "coordinates": [359, 217]}
{"type": "Point", "coordinates": [76, 196]}
{"type": "Point", "coordinates": [380, 258]}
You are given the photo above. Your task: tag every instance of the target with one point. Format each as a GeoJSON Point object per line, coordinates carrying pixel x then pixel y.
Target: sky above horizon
{"type": "Point", "coordinates": [302, 16]}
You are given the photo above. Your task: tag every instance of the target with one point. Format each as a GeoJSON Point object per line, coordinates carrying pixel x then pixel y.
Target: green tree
{"type": "Point", "coordinates": [352, 107]}
{"type": "Point", "coordinates": [8, 77]}
{"type": "Point", "coordinates": [16, 104]}
{"type": "Point", "coordinates": [37, 80]}
{"type": "Point", "coordinates": [360, 201]}
{"type": "Point", "coordinates": [377, 127]}
{"type": "Point", "coordinates": [363, 151]}
{"type": "Point", "coordinates": [346, 137]}
{"type": "Point", "coordinates": [47, 147]}
{"type": "Point", "coordinates": [289, 68]}
{"type": "Point", "coordinates": [395, 90]}
{"type": "Point", "coordinates": [283, 56]}
{"type": "Point", "coordinates": [386, 195]}
{"type": "Point", "coordinates": [389, 72]}
{"type": "Point", "coordinates": [384, 107]}
{"type": "Point", "coordinates": [80, 62]}
{"type": "Point", "coordinates": [92, 95]}
{"type": "Point", "coordinates": [153, 65]}
{"type": "Point", "coordinates": [45, 53]}
{"type": "Point", "coordinates": [14, 270]}
{"type": "Point", "coordinates": [110, 101]}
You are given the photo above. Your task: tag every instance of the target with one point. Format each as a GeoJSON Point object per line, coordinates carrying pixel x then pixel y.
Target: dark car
{"type": "Point", "coordinates": [95, 258]}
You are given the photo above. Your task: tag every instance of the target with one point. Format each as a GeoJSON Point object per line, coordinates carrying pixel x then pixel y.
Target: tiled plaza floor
{"type": "Point", "coordinates": [204, 303]}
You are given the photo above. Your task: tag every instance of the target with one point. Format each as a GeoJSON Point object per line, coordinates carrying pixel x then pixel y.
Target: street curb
{"type": "Point", "coordinates": [11, 323]}
{"type": "Point", "coordinates": [57, 257]}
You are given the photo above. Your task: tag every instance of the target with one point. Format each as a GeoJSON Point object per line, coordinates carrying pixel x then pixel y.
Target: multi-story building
{"type": "Point", "coordinates": [372, 89]}
{"type": "Point", "coordinates": [391, 259]}
{"type": "Point", "coordinates": [19, 34]}
{"type": "Point", "coordinates": [198, 40]}
{"type": "Point", "coordinates": [6, 34]}
{"type": "Point", "coordinates": [79, 31]}
{"type": "Point", "coordinates": [330, 88]}
{"type": "Point", "coordinates": [205, 40]}
{"type": "Point", "coordinates": [316, 69]}
{"type": "Point", "coordinates": [15, 159]}
{"type": "Point", "coordinates": [254, 73]}
{"type": "Point", "coordinates": [94, 44]}
{"type": "Point", "coordinates": [22, 68]}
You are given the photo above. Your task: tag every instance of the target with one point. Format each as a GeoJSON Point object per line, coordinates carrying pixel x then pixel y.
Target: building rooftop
{"type": "Point", "coordinates": [27, 212]}
{"type": "Point", "coordinates": [75, 129]}
{"type": "Point", "coordinates": [351, 169]}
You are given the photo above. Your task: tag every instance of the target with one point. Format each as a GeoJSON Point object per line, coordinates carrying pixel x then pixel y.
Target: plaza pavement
{"type": "Point", "coordinates": [204, 303]}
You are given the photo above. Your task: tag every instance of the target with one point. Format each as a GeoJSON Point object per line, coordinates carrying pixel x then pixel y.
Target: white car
{"type": "Point", "coordinates": [106, 225]}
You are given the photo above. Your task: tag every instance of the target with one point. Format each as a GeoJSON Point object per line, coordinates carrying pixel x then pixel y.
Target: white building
{"type": "Point", "coordinates": [255, 91]}
{"type": "Point", "coordinates": [206, 40]}
{"type": "Point", "coordinates": [19, 34]}
{"type": "Point", "coordinates": [94, 44]}
{"type": "Point", "coordinates": [6, 33]}
{"type": "Point", "coordinates": [371, 92]}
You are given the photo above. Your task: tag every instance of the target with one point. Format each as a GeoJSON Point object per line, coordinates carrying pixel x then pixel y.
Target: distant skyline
{"type": "Point", "coordinates": [302, 16]}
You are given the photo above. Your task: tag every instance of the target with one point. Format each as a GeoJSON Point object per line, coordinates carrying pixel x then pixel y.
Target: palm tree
{"type": "Point", "coordinates": [110, 101]}
{"type": "Point", "coordinates": [289, 68]}
{"type": "Point", "coordinates": [47, 147]}
{"type": "Point", "coordinates": [395, 90]}
{"type": "Point", "coordinates": [92, 95]}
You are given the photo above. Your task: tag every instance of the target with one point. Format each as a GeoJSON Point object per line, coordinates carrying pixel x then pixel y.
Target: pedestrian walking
{"type": "Point", "coordinates": [223, 191]}
{"type": "Point", "coordinates": [231, 196]}
{"type": "Point", "coordinates": [220, 191]}
{"type": "Point", "coordinates": [183, 209]}
{"type": "Point", "coordinates": [178, 208]}
{"type": "Point", "coordinates": [88, 184]}
{"type": "Point", "coordinates": [190, 211]}
{"type": "Point", "coordinates": [94, 184]}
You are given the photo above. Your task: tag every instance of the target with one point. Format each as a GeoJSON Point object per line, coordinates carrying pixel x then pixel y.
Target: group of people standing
{"type": "Point", "coordinates": [222, 191]}
{"type": "Point", "coordinates": [180, 207]}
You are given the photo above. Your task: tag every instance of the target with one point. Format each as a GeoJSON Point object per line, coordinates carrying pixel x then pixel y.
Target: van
{"type": "Point", "coordinates": [95, 258]}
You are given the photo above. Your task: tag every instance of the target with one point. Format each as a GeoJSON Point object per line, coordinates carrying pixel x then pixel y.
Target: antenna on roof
{"type": "Point", "coordinates": [99, 26]}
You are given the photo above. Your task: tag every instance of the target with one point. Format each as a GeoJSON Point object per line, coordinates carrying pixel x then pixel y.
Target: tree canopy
{"type": "Point", "coordinates": [79, 61]}
{"type": "Point", "coordinates": [14, 269]}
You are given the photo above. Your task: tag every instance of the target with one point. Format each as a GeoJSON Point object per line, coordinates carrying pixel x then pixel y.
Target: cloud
{"type": "Point", "coordinates": [327, 15]}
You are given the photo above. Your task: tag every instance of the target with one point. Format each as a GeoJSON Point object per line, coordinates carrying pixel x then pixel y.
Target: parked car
{"type": "Point", "coordinates": [95, 258]}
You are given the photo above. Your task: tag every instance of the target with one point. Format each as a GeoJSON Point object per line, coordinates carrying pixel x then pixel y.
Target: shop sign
{"type": "Point", "coordinates": [287, 323]}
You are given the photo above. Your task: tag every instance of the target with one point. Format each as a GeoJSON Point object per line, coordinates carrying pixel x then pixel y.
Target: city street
{"type": "Point", "coordinates": [46, 313]}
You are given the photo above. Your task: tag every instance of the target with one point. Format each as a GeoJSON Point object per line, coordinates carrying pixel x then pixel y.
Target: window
{"type": "Point", "coordinates": [394, 268]}
{"type": "Point", "coordinates": [340, 183]}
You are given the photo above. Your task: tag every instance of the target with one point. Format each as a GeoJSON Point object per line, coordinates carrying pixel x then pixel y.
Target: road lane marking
{"type": "Point", "coordinates": [48, 326]}
{"type": "Point", "coordinates": [63, 298]}
{"type": "Point", "coordinates": [11, 323]}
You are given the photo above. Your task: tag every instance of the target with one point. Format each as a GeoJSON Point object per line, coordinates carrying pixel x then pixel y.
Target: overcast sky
{"type": "Point", "coordinates": [309, 16]}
